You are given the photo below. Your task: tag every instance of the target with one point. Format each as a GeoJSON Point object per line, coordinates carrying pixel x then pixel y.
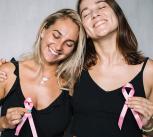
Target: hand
{"type": "Point", "coordinates": [3, 61]}
{"type": "Point", "coordinates": [3, 75]}
{"type": "Point", "coordinates": [143, 106]}
{"type": "Point", "coordinates": [14, 117]}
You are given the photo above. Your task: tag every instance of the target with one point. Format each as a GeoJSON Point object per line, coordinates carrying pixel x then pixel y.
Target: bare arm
{"type": "Point", "coordinates": [144, 106]}
{"type": "Point", "coordinates": [13, 115]}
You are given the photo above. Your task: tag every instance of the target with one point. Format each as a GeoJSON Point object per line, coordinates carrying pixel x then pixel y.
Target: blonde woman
{"type": "Point", "coordinates": [46, 76]}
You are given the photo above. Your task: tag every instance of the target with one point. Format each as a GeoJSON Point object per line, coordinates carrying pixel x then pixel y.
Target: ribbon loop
{"type": "Point", "coordinates": [28, 105]}
{"type": "Point", "coordinates": [125, 107]}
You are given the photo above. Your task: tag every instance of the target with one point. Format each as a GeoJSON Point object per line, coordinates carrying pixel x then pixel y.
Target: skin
{"type": "Point", "coordinates": [100, 23]}
{"type": "Point", "coordinates": [57, 44]}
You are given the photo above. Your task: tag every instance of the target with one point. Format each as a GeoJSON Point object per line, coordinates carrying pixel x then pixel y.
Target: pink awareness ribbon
{"type": "Point", "coordinates": [125, 107]}
{"type": "Point", "coordinates": [28, 105]}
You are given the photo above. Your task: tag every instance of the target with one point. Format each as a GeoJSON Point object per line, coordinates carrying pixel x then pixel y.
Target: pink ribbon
{"type": "Point", "coordinates": [125, 107]}
{"type": "Point", "coordinates": [28, 105]}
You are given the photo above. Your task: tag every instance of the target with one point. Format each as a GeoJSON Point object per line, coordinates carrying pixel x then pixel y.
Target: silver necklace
{"type": "Point", "coordinates": [44, 79]}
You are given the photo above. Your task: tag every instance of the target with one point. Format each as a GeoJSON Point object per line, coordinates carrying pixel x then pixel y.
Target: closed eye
{"type": "Point", "coordinates": [84, 16]}
{"type": "Point", "coordinates": [56, 36]}
{"type": "Point", "coordinates": [70, 44]}
{"type": "Point", "coordinates": [103, 7]}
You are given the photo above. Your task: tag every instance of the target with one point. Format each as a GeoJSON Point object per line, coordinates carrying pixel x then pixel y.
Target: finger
{"type": "Point", "coordinates": [15, 122]}
{"type": "Point", "coordinates": [144, 103]}
{"type": "Point", "coordinates": [3, 76]}
{"type": "Point", "coordinates": [2, 79]}
{"type": "Point", "coordinates": [3, 60]}
{"type": "Point", "coordinates": [140, 100]}
{"type": "Point", "coordinates": [143, 113]}
{"type": "Point", "coordinates": [3, 73]}
{"type": "Point", "coordinates": [15, 117]}
{"type": "Point", "coordinates": [17, 109]}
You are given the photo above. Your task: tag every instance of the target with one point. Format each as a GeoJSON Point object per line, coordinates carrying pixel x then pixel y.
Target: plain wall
{"type": "Point", "coordinates": [20, 20]}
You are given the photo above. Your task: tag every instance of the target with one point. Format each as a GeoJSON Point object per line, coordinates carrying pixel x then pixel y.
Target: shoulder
{"type": "Point", "coordinates": [149, 68]}
{"type": "Point", "coordinates": [148, 76]}
{"type": "Point", "coordinates": [28, 65]}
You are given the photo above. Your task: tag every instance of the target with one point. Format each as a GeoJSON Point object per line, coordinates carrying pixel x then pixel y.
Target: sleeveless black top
{"type": "Point", "coordinates": [49, 122]}
{"type": "Point", "coordinates": [96, 112]}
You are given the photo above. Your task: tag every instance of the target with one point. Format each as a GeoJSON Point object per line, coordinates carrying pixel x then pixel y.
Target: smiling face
{"type": "Point", "coordinates": [59, 40]}
{"type": "Point", "coordinates": [98, 18]}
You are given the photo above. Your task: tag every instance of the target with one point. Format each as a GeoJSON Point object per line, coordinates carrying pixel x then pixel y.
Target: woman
{"type": "Point", "coordinates": [112, 65]}
{"type": "Point", "coordinates": [44, 76]}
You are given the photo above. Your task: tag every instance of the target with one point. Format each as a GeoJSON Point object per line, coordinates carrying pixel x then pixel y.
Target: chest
{"type": "Point", "coordinates": [88, 96]}
{"type": "Point", "coordinates": [111, 78]}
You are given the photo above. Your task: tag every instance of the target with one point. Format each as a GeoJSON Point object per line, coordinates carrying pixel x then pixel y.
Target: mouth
{"type": "Point", "coordinates": [98, 23]}
{"type": "Point", "coordinates": [53, 52]}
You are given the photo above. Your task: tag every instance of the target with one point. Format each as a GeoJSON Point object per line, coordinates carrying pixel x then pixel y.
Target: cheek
{"type": "Point", "coordinates": [68, 51]}
{"type": "Point", "coordinates": [115, 24]}
{"type": "Point", "coordinates": [88, 28]}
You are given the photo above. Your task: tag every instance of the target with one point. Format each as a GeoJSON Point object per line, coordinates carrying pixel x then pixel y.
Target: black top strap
{"type": "Point", "coordinates": [16, 64]}
{"type": "Point", "coordinates": [144, 64]}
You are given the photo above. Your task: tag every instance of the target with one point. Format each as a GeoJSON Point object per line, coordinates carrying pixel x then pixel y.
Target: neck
{"type": "Point", "coordinates": [107, 50]}
{"type": "Point", "coordinates": [46, 69]}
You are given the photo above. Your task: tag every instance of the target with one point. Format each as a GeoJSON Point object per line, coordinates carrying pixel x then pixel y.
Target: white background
{"type": "Point", "coordinates": [20, 20]}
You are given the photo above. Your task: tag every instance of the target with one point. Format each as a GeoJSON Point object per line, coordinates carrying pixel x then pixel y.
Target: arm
{"type": "Point", "coordinates": [13, 115]}
{"type": "Point", "coordinates": [148, 81]}
{"type": "Point", "coordinates": [144, 106]}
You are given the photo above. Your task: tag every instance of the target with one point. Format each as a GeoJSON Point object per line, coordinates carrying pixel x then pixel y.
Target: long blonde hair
{"type": "Point", "coordinates": [69, 69]}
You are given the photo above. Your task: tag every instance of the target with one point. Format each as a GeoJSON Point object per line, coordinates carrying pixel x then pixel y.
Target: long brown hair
{"type": "Point", "coordinates": [126, 40]}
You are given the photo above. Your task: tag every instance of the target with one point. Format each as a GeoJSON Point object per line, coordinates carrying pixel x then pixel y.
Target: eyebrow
{"type": "Point", "coordinates": [99, 1]}
{"type": "Point", "coordinates": [83, 10]}
{"type": "Point", "coordinates": [58, 32]}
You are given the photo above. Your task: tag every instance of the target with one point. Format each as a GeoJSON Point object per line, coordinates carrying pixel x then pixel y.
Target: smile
{"type": "Point", "coordinates": [99, 23]}
{"type": "Point", "coordinates": [53, 52]}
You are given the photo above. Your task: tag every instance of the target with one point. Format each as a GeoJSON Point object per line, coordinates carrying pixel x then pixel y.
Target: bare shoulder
{"type": "Point", "coordinates": [28, 66]}
{"type": "Point", "coordinates": [149, 68]}
{"type": "Point", "coordinates": [148, 77]}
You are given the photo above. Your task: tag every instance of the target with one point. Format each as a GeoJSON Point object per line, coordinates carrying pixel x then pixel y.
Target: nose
{"type": "Point", "coordinates": [59, 46]}
{"type": "Point", "coordinates": [94, 14]}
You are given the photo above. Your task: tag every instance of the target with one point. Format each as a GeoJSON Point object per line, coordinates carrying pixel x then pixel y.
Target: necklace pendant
{"type": "Point", "coordinates": [44, 80]}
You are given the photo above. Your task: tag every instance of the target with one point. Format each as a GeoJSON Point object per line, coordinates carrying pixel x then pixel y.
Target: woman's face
{"type": "Point", "coordinates": [99, 20]}
{"type": "Point", "coordinates": [59, 40]}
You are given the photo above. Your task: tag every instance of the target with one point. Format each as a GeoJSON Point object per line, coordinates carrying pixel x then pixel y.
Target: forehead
{"type": "Point", "coordinates": [89, 2]}
{"type": "Point", "coordinates": [65, 24]}
{"type": "Point", "coordinates": [65, 27]}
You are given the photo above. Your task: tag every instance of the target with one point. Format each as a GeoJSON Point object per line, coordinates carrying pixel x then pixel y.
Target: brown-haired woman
{"type": "Point", "coordinates": [113, 65]}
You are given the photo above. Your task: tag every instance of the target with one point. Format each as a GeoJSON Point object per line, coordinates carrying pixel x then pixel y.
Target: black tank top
{"type": "Point", "coordinates": [50, 122]}
{"type": "Point", "coordinates": [96, 112]}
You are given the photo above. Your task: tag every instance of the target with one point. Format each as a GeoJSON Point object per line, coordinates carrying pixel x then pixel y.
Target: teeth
{"type": "Point", "coordinates": [53, 52]}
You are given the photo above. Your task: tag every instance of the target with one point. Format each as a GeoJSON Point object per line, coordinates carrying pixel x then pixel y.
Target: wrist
{"type": "Point", "coordinates": [149, 127]}
{"type": "Point", "coordinates": [4, 124]}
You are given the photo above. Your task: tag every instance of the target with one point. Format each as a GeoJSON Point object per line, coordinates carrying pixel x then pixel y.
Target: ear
{"type": "Point", "coordinates": [42, 33]}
